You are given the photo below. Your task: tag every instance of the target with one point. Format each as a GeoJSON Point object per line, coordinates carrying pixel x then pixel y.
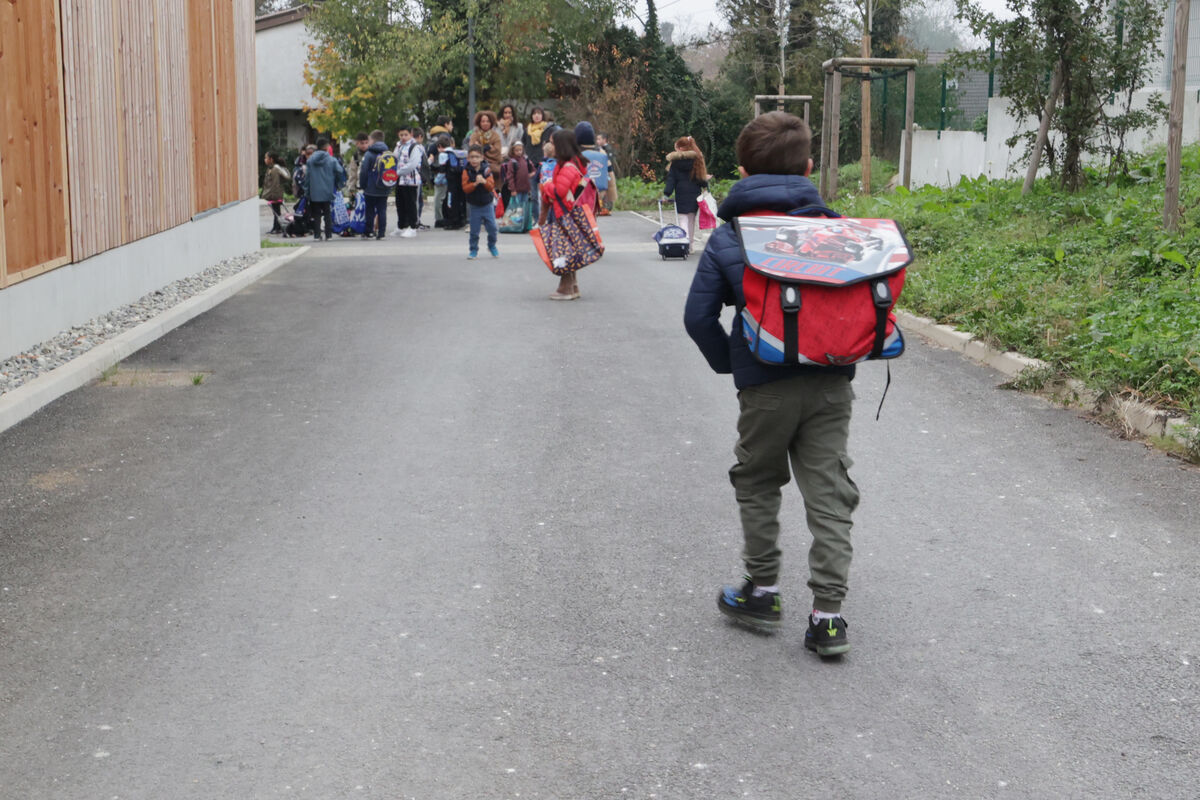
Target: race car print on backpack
{"type": "Point", "coordinates": [821, 290]}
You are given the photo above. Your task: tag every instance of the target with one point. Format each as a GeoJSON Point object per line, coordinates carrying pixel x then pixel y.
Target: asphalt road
{"type": "Point", "coordinates": [421, 533]}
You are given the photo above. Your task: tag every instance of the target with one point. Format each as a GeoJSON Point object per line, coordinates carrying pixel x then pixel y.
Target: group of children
{"type": "Point", "coordinates": [795, 416]}
{"type": "Point", "coordinates": [501, 161]}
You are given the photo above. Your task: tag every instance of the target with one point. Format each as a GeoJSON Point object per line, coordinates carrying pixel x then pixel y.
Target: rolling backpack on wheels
{"type": "Point", "coordinates": [672, 239]}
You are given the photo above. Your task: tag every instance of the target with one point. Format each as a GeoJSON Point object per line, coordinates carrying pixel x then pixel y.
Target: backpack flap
{"type": "Point", "coordinates": [821, 291]}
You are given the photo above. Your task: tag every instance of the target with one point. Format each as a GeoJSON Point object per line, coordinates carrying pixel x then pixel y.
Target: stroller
{"type": "Point", "coordinates": [672, 239]}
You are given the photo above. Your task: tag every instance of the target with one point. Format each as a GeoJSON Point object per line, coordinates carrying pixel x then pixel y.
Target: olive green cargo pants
{"type": "Point", "coordinates": [806, 421]}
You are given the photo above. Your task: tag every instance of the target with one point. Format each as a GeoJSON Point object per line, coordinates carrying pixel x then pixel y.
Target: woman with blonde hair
{"type": "Point", "coordinates": [486, 136]}
{"type": "Point", "coordinates": [687, 177]}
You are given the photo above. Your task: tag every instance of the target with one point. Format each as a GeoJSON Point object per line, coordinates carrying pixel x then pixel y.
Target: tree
{"type": "Point", "coordinates": [384, 62]}
{"type": "Point", "coordinates": [1097, 53]}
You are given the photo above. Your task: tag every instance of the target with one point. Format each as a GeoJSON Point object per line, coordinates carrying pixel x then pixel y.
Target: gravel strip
{"type": "Point", "coordinates": [24, 367]}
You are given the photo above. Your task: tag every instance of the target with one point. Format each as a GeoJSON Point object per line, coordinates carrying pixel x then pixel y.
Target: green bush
{"type": "Point", "coordinates": [1089, 282]}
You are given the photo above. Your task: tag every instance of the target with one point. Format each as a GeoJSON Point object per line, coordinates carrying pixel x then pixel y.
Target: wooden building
{"type": "Point", "coordinates": [128, 150]}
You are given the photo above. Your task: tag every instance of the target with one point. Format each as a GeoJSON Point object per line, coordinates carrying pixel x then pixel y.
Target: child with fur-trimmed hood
{"type": "Point", "coordinates": [687, 177]}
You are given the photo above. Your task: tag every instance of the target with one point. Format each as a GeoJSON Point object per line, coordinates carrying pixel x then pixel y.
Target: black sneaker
{"type": "Point", "coordinates": [762, 613]}
{"type": "Point", "coordinates": [827, 636]}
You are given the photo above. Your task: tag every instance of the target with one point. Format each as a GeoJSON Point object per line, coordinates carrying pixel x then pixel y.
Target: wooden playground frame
{"type": "Point", "coordinates": [832, 108]}
{"type": "Point", "coordinates": [779, 100]}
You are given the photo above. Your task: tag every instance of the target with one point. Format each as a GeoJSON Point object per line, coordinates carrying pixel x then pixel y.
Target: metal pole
{"type": "Point", "coordinates": [1183, 10]}
{"type": "Point", "coordinates": [471, 70]}
{"type": "Point", "coordinates": [910, 113]}
{"type": "Point", "coordinates": [884, 113]}
{"type": "Point", "coordinates": [865, 94]}
{"type": "Point", "coordinates": [824, 183]}
{"type": "Point", "coordinates": [835, 115]}
{"type": "Point", "coordinates": [992, 69]}
{"type": "Point", "coordinates": [942, 118]}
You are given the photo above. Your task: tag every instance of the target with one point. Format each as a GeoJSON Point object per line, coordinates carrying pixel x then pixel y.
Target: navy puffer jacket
{"type": "Point", "coordinates": [718, 282]}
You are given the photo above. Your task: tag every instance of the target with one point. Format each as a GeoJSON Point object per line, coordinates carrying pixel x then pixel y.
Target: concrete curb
{"type": "Point", "coordinates": [22, 402]}
{"type": "Point", "coordinates": [1132, 415]}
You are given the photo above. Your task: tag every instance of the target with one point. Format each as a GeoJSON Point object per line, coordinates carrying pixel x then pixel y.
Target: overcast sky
{"type": "Point", "coordinates": [694, 16]}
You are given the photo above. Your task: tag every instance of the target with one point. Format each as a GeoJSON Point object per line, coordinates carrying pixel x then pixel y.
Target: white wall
{"type": "Point", "coordinates": [956, 154]}
{"type": "Point", "coordinates": [38, 309]}
{"type": "Point", "coordinates": [280, 53]}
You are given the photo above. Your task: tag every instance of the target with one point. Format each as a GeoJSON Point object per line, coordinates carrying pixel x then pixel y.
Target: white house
{"type": "Point", "coordinates": [281, 42]}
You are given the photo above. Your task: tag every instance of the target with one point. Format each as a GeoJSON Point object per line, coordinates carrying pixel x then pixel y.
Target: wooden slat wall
{"type": "Point", "coordinates": [227, 149]}
{"type": "Point", "coordinates": [177, 155]}
{"type": "Point", "coordinates": [93, 111]}
{"type": "Point", "coordinates": [33, 170]}
{"type": "Point", "coordinates": [202, 93]}
{"type": "Point", "coordinates": [247, 101]}
{"type": "Point", "coordinates": [149, 105]}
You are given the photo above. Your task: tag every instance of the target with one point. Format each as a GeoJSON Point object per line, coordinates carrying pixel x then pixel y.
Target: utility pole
{"type": "Point", "coordinates": [470, 67]}
{"type": "Point", "coordinates": [1183, 10]}
{"type": "Point", "coordinates": [866, 102]}
{"type": "Point", "coordinates": [782, 23]}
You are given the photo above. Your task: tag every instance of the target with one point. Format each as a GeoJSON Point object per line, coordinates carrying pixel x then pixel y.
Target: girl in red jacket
{"type": "Point", "coordinates": [558, 197]}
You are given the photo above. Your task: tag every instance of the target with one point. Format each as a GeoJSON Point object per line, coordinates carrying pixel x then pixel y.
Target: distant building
{"type": "Point", "coordinates": [281, 41]}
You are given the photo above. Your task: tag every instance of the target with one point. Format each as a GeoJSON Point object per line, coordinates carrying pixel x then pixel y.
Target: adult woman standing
{"type": "Point", "coordinates": [558, 197]}
{"type": "Point", "coordinates": [511, 131]}
{"type": "Point", "coordinates": [533, 134]}
{"type": "Point", "coordinates": [486, 136]}
{"type": "Point", "coordinates": [687, 176]}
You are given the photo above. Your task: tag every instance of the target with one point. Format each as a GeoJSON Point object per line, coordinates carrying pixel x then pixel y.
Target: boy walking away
{"type": "Point", "coordinates": [409, 155]}
{"type": "Point", "coordinates": [478, 185]}
{"type": "Point", "coordinates": [272, 190]}
{"type": "Point", "coordinates": [323, 177]}
{"type": "Point", "coordinates": [797, 414]}
{"type": "Point", "coordinates": [371, 178]}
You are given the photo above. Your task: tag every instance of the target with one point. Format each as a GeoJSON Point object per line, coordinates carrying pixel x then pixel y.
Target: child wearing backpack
{"type": "Point", "coordinates": [454, 207]}
{"type": "Point", "coordinates": [794, 413]}
{"type": "Point", "coordinates": [520, 176]}
{"type": "Point", "coordinates": [376, 177]}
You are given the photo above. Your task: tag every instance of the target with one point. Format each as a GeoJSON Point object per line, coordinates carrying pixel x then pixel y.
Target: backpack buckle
{"type": "Point", "coordinates": [789, 298]}
{"type": "Point", "coordinates": [881, 293]}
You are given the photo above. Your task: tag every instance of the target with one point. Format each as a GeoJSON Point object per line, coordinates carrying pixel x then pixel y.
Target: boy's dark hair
{"type": "Point", "coordinates": [271, 155]}
{"type": "Point", "coordinates": [475, 148]}
{"type": "Point", "coordinates": [403, 128]}
{"type": "Point", "coordinates": [776, 143]}
{"type": "Point", "coordinates": [418, 133]}
{"type": "Point", "coordinates": [445, 141]}
{"type": "Point", "coordinates": [377, 135]}
{"type": "Point", "coordinates": [322, 143]}
{"type": "Point", "coordinates": [443, 120]}
{"type": "Point", "coordinates": [361, 137]}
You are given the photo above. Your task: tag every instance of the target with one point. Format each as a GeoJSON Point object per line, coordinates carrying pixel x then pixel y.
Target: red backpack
{"type": "Point", "coordinates": [821, 290]}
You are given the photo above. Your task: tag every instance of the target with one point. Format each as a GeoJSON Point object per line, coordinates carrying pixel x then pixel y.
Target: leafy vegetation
{"type": "Point", "coordinates": [1088, 282]}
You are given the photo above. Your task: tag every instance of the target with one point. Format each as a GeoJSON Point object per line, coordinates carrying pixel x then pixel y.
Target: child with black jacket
{"type": "Point", "coordinates": [797, 414]}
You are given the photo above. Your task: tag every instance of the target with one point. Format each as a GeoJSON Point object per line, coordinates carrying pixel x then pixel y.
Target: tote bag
{"type": "Point", "coordinates": [569, 243]}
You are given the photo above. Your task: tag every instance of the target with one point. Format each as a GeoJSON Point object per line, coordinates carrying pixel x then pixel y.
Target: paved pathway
{"type": "Point", "coordinates": [421, 533]}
